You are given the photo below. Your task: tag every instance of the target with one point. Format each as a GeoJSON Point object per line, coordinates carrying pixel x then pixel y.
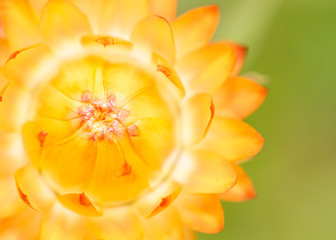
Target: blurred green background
{"type": "Point", "coordinates": [292, 43]}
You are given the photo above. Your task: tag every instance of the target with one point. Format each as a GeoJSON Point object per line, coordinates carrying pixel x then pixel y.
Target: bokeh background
{"type": "Point", "coordinates": [292, 43]}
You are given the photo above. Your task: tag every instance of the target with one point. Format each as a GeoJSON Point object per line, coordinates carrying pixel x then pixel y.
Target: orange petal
{"type": "Point", "coordinates": [198, 112]}
{"type": "Point", "coordinates": [205, 172]}
{"type": "Point", "coordinates": [202, 213]}
{"type": "Point", "coordinates": [80, 203]}
{"type": "Point", "coordinates": [61, 21]}
{"type": "Point", "coordinates": [164, 226]}
{"type": "Point", "coordinates": [64, 164]}
{"type": "Point", "coordinates": [4, 51]}
{"type": "Point", "coordinates": [32, 189]}
{"type": "Point", "coordinates": [119, 223]}
{"type": "Point", "coordinates": [114, 17]}
{"type": "Point", "coordinates": [189, 234]}
{"type": "Point", "coordinates": [19, 23]}
{"type": "Point", "coordinates": [163, 8]}
{"type": "Point", "coordinates": [37, 5]}
{"type": "Point", "coordinates": [206, 69]}
{"type": "Point", "coordinates": [159, 199]}
{"type": "Point", "coordinates": [194, 29]}
{"type": "Point", "coordinates": [9, 198]}
{"type": "Point", "coordinates": [239, 97]}
{"type": "Point", "coordinates": [233, 139]}
{"type": "Point", "coordinates": [241, 54]}
{"type": "Point", "coordinates": [61, 223]}
{"type": "Point", "coordinates": [243, 190]}
{"type": "Point", "coordinates": [24, 225]}
{"type": "Point", "coordinates": [153, 34]}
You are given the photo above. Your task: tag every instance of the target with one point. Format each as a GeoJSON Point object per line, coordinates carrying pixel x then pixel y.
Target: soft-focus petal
{"type": "Point", "coordinates": [62, 22]}
{"type": "Point", "coordinates": [239, 97]}
{"type": "Point", "coordinates": [194, 29]}
{"type": "Point", "coordinates": [19, 23]}
{"type": "Point", "coordinates": [118, 223]}
{"type": "Point", "coordinates": [4, 51]}
{"type": "Point", "coordinates": [243, 190]}
{"type": "Point", "coordinates": [153, 33]}
{"type": "Point", "coordinates": [198, 112]}
{"type": "Point", "coordinates": [164, 8]}
{"type": "Point", "coordinates": [205, 172]}
{"type": "Point", "coordinates": [234, 139]}
{"type": "Point", "coordinates": [114, 17]}
{"type": "Point", "coordinates": [32, 189]}
{"type": "Point", "coordinates": [202, 213]}
{"type": "Point", "coordinates": [215, 62]}
{"type": "Point", "coordinates": [164, 226]}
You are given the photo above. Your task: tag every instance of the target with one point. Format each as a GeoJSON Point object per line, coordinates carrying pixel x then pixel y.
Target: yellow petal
{"type": "Point", "coordinates": [24, 225]}
{"type": "Point", "coordinates": [80, 203]}
{"type": "Point", "coordinates": [194, 29]}
{"type": "Point", "coordinates": [119, 223]}
{"type": "Point", "coordinates": [19, 23]}
{"type": "Point", "coordinates": [37, 5]}
{"type": "Point", "coordinates": [202, 213]}
{"type": "Point", "coordinates": [9, 198]}
{"type": "Point", "coordinates": [60, 223]}
{"type": "Point", "coordinates": [119, 174]}
{"type": "Point", "coordinates": [14, 107]}
{"type": "Point", "coordinates": [12, 153]}
{"type": "Point", "coordinates": [63, 163]}
{"type": "Point", "coordinates": [31, 72]}
{"type": "Point", "coordinates": [164, 226]}
{"type": "Point", "coordinates": [239, 97]}
{"type": "Point", "coordinates": [233, 139]}
{"type": "Point", "coordinates": [243, 190]}
{"type": "Point", "coordinates": [32, 189]}
{"type": "Point", "coordinates": [114, 17]}
{"type": "Point", "coordinates": [189, 234]}
{"type": "Point", "coordinates": [61, 21]}
{"type": "Point", "coordinates": [154, 34]}
{"type": "Point", "coordinates": [198, 112]}
{"type": "Point", "coordinates": [207, 172]}
{"type": "Point", "coordinates": [158, 200]}
{"type": "Point", "coordinates": [206, 69]}
{"type": "Point", "coordinates": [163, 8]}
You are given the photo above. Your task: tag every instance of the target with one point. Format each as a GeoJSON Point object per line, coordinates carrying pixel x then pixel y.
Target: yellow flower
{"type": "Point", "coordinates": [119, 121]}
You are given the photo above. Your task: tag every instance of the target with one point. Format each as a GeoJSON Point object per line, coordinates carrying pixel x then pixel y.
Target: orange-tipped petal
{"type": "Point", "coordinates": [159, 199]}
{"type": "Point", "coordinates": [206, 69]}
{"type": "Point", "coordinates": [195, 29]}
{"type": "Point", "coordinates": [79, 203]}
{"type": "Point", "coordinates": [164, 226]}
{"type": "Point", "coordinates": [202, 213]}
{"type": "Point", "coordinates": [241, 55]}
{"type": "Point", "coordinates": [205, 172]}
{"type": "Point", "coordinates": [72, 175]}
{"type": "Point", "coordinates": [61, 21]}
{"type": "Point", "coordinates": [60, 223]}
{"type": "Point", "coordinates": [198, 112]}
{"type": "Point", "coordinates": [243, 190]}
{"type": "Point", "coordinates": [234, 139]}
{"type": "Point", "coordinates": [153, 34]}
{"type": "Point", "coordinates": [19, 23]}
{"type": "Point", "coordinates": [239, 97]}
{"type": "Point", "coordinates": [118, 223]}
{"type": "Point", "coordinates": [114, 17]}
{"type": "Point", "coordinates": [164, 8]}
{"type": "Point", "coordinates": [33, 140]}
{"type": "Point", "coordinates": [32, 189]}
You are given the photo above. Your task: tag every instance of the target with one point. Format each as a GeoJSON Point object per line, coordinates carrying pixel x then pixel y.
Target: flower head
{"type": "Point", "coordinates": [119, 121]}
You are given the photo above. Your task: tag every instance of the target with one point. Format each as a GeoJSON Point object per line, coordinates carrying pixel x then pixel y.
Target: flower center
{"type": "Point", "coordinates": [108, 130]}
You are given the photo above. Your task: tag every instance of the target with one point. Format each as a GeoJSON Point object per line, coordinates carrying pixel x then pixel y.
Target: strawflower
{"type": "Point", "coordinates": [119, 120]}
